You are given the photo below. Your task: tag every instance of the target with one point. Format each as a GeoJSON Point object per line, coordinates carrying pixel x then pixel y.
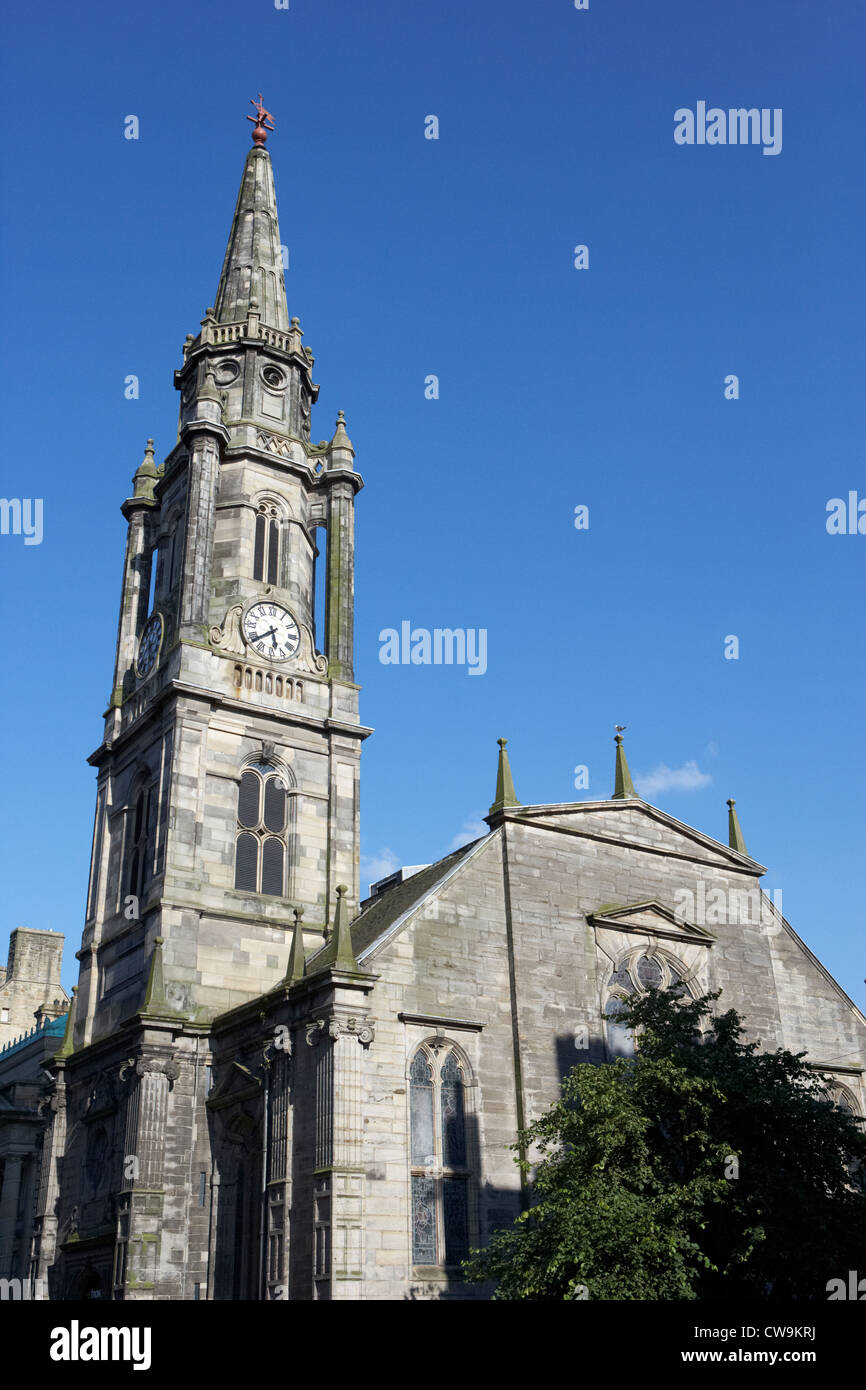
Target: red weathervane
{"type": "Point", "coordinates": [261, 118]}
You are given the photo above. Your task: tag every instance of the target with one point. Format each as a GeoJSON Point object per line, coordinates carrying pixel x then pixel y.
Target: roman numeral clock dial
{"type": "Point", "coordinates": [148, 647]}
{"type": "Point", "coordinates": [271, 631]}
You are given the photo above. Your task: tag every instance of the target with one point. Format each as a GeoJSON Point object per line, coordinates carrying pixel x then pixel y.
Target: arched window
{"type": "Point", "coordinates": [139, 841]}
{"type": "Point", "coordinates": [439, 1156]}
{"type": "Point", "coordinates": [845, 1101]}
{"type": "Point", "coordinates": [175, 555]}
{"type": "Point", "coordinates": [260, 849]}
{"type": "Point", "coordinates": [635, 975]}
{"type": "Point", "coordinates": [266, 547]}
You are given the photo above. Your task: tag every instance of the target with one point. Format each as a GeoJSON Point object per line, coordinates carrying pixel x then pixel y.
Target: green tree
{"type": "Point", "coordinates": [702, 1168]}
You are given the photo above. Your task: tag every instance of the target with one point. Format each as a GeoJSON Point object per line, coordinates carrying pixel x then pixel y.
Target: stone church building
{"type": "Point", "coordinates": [267, 1088]}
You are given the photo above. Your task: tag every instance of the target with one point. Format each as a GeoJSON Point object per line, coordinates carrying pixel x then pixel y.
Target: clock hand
{"type": "Point", "coordinates": [260, 636]}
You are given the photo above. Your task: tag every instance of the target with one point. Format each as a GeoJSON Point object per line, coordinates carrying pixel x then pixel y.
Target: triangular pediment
{"type": "Point", "coordinates": [649, 917]}
{"type": "Point", "coordinates": [637, 824]}
{"type": "Point", "coordinates": [235, 1083]}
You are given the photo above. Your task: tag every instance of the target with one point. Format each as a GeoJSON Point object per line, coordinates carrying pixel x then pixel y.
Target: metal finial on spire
{"type": "Point", "coordinates": [261, 119]}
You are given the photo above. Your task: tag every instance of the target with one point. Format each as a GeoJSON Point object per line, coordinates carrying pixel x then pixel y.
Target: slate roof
{"type": "Point", "coordinates": [379, 915]}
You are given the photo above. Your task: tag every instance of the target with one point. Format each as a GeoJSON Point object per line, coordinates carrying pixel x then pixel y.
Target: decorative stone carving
{"type": "Point", "coordinates": [361, 1029]}
{"type": "Point", "coordinates": [283, 448]}
{"type": "Point", "coordinates": [228, 637]}
{"type": "Point", "coordinates": [147, 1066]}
{"type": "Point", "coordinates": [306, 658]}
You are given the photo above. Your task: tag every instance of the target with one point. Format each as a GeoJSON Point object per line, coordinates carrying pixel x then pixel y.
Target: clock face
{"type": "Point", "coordinates": [148, 647]}
{"type": "Point", "coordinates": [271, 631]}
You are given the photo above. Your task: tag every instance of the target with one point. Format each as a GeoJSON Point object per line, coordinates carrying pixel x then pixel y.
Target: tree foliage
{"type": "Point", "coordinates": [702, 1168]}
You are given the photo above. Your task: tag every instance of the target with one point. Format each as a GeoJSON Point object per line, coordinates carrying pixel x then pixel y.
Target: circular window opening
{"type": "Point", "coordinates": [273, 377]}
{"type": "Point", "coordinates": [226, 373]}
{"type": "Point", "coordinates": [649, 972]}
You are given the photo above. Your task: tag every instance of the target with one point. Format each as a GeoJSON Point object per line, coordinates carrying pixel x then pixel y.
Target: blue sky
{"type": "Point", "coordinates": [558, 387]}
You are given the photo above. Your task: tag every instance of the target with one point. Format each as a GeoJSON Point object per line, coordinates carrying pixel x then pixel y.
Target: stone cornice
{"type": "Point", "coordinates": [439, 1021]}
{"type": "Point", "coordinates": [221, 700]}
{"type": "Point", "coordinates": [738, 863]}
{"type": "Point", "coordinates": [194, 427]}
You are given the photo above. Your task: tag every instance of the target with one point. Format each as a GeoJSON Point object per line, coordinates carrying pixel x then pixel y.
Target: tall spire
{"type": "Point", "coordinates": [505, 795]}
{"type": "Point", "coordinates": [623, 787]}
{"type": "Point", "coordinates": [252, 273]}
{"type": "Point", "coordinates": [735, 834]}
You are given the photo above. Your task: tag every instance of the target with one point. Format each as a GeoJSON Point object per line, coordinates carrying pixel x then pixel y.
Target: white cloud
{"type": "Point", "coordinates": [687, 778]}
{"type": "Point", "coordinates": [713, 749]}
{"type": "Point", "coordinates": [376, 866]}
{"type": "Point", "coordinates": [473, 828]}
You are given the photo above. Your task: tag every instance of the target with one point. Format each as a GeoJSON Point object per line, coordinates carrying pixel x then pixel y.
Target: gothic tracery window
{"type": "Point", "coordinates": [845, 1101]}
{"type": "Point", "coordinates": [634, 976]}
{"type": "Point", "coordinates": [439, 1156]}
{"type": "Point", "coordinates": [260, 847]}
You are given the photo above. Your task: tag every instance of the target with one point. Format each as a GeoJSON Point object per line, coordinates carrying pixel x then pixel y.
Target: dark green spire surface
{"type": "Point", "coordinates": [252, 273]}
{"type": "Point", "coordinates": [735, 834]}
{"type": "Point", "coordinates": [623, 787]}
{"type": "Point", "coordinates": [505, 795]}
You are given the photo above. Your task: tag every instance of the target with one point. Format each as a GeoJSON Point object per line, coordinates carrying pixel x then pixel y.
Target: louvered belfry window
{"type": "Point", "coordinates": [139, 844]}
{"type": "Point", "coordinates": [260, 849]}
{"type": "Point", "coordinates": [266, 547]}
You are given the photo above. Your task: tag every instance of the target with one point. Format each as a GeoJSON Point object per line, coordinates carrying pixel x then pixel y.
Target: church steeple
{"type": "Point", "coordinates": [223, 645]}
{"type": "Point", "coordinates": [252, 273]}
{"type": "Point", "coordinates": [262, 371]}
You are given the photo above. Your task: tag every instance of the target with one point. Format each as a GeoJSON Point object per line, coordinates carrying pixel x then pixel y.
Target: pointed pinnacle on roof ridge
{"type": "Point", "coordinates": [295, 968]}
{"type": "Point", "coordinates": [735, 834]}
{"type": "Point", "coordinates": [65, 1048]}
{"type": "Point", "coordinates": [154, 994]}
{"type": "Point", "coordinates": [344, 955]}
{"type": "Point", "coordinates": [505, 793]}
{"type": "Point", "coordinates": [623, 786]}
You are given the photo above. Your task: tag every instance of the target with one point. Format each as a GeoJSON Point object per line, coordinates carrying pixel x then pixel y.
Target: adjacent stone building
{"type": "Point", "coordinates": [33, 1008]}
{"type": "Point", "coordinates": [266, 1088]}
{"type": "Point", "coordinates": [30, 989]}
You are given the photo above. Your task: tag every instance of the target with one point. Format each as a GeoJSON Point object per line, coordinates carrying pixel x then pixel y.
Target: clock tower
{"type": "Point", "coordinates": [228, 774]}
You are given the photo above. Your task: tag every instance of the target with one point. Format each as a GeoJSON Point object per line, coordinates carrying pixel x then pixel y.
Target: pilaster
{"type": "Point", "coordinates": [203, 438]}
{"type": "Point", "coordinates": [340, 1036]}
{"type": "Point", "coordinates": [141, 1201]}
